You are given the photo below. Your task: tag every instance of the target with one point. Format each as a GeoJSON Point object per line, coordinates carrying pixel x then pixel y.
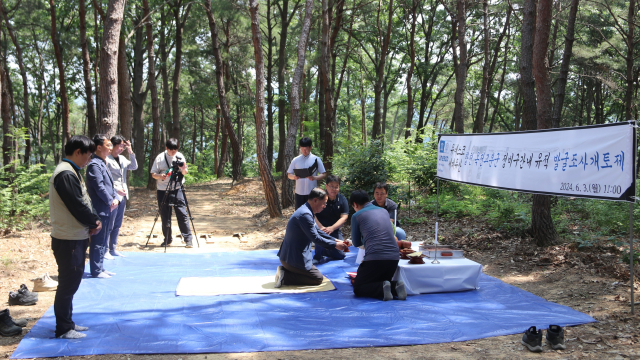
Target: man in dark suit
{"type": "Point", "coordinates": [295, 253]}
{"type": "Point", "coordinates": [104, 200]}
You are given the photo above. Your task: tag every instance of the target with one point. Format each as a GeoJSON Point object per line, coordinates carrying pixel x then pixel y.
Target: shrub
{"type": "Point", "coordinates": [22, 195]}
{"type": "Point", "coordinates": [361, 167]}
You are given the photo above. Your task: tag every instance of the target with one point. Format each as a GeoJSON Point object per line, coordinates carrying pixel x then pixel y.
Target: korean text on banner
{"type": "Point", "coordinates": [590, 161]}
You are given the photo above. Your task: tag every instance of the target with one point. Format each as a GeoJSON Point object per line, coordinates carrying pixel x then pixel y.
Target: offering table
{"type": "Point", "coordinates": [450, 275]}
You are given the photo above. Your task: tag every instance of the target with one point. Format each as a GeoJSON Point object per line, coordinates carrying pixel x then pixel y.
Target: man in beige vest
{"type": "Point", "coordinates": [73, 219]}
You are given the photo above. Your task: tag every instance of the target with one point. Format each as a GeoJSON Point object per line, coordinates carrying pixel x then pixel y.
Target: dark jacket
{"type": "Point", "coordinates": [100, 186]}
{"type": "Point", "coordinates": [301, 232]}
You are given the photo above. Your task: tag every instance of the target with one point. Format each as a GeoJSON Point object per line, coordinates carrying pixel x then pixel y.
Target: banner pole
{"type": "Point", "coordinates": [631, 254]}
{"type": "Point", "coordinates": [435, 253]}
{"type": "Point", "coordinates": [437, 197]}
{"type": "Point", "coordinates": [631, 251]}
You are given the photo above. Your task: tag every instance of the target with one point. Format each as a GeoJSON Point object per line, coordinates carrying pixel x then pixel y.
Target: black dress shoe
{"type": "Point", "coordinates": [165, 243]}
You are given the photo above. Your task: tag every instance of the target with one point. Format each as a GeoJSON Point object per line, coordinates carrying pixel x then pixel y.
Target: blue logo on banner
{"type": "Point", "coordinates": [442, 142]}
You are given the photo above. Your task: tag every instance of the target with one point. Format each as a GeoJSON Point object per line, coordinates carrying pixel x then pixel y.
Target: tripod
{"type": "Point", "coordinates": [174, 181]}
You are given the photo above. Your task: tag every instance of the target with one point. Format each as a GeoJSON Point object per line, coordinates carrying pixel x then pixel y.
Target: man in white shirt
{"type": "Point", "coordinates": [160, 171]}
{"type": "Point", "coordinates": [306, 160]}
{"type": "Point", "coordinates": [118, 165]}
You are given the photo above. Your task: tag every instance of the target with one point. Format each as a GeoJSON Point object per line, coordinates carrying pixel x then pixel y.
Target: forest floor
{"type": "Point", "coordinates": [593, 282]}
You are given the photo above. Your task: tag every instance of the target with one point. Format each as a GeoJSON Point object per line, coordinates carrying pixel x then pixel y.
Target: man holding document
{"type": "Point", "coordinates": [306, 169]}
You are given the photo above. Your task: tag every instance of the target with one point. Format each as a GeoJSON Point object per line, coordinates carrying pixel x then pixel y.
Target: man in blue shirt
{"type": "Point", "coordinates": [295, 252]}
{"type": "Point", "coordinates": [370, 226]}
{"type": "Point", "coordinates": [331, 219]}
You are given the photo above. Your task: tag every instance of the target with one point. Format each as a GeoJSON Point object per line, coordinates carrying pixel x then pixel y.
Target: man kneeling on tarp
{"type": "Point", "coordinates": [370, 227]}
{"type": "Point", "coordinates": [295, 252]}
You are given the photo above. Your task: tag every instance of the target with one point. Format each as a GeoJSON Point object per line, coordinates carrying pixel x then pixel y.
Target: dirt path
{"type": "Point", "coordinates": [591, 284]}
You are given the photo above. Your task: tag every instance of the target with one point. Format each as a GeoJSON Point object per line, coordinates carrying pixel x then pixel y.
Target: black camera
{"type": "Point", "coordinates": [177, 164]}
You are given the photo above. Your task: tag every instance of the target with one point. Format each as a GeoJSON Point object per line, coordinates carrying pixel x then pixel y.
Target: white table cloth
{"type": "Point", "coordinates": [449, 276]}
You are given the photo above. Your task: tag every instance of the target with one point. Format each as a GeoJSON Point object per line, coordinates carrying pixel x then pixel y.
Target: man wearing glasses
{"type": "Point", "coordinates": [331, 219]}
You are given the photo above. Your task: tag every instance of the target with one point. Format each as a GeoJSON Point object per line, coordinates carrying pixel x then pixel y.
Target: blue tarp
{"type": "Point", "coordinates": [137, 312]}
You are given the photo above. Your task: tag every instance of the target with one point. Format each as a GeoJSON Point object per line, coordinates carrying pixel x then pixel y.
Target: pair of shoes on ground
{"type": "Point", "coordinates": [111, 255]}
{"type": "Point", "coordinates": [10, 326]}
{"type": "Point", "coordinates": [105, 275]}
{"type": "Point", "coordinates": [400, 290]}
{"type": "Point", "coordinates": [532, 338]}
{"type": "Point", "coordinates": [279, 277]}
{"type": "Point", "coordinates": [188, 244]}
{"type": "Point", "coordinates": [44, 283]}
{"type": "Point", "coordinates": [74, 333]}
{"type": "Point", "coordinates": [22, 297]}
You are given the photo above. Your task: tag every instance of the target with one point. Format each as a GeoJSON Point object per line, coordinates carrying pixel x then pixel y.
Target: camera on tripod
{"type": "Point", "coordinates": [177, 164]}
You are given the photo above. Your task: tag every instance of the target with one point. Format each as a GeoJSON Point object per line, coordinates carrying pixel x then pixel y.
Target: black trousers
{"type": "Point", "coordinates": [295, 276]}
{"type": "Point", "coordinates": [371, 275]}
{"type": "Point", "coordinates": [300, 200]}
{"type": "Point", "coordinates": [175, 197]}
{"type": "Point", "coordinates": [69, 256]}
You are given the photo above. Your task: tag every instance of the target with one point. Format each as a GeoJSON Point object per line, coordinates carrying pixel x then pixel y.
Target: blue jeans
{"type": "Point", "coordinates": [117, 214]}
{"type": "Point", "coordinates": [400, 234]}
{"type": "Point", "coordinates": [99, 245]}
{"type": "Point", "coordinates": [332, 254]}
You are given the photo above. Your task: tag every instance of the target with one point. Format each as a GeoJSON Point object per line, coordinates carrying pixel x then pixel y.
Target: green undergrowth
{"type": "Point", "coordinates": [22, 195]}
{"type": "Point", "coordinates": [586, 222]}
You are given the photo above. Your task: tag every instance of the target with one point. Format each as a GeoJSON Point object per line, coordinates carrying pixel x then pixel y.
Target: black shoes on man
{"type": "Point", "coordinates": [532, 338]}
{"type": "Point", "coordinates": [188, 244]}
{"type": "Point", "coordinates": [23, 296]}
{"type": "Point", "coordinates": [10, 326]}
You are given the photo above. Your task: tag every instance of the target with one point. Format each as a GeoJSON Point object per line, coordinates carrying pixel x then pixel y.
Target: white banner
{"type": "Point", "coordinates": [591, 161]}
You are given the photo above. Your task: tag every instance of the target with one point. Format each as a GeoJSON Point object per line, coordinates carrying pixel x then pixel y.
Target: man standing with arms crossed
{"type": "Point", "coordinates": [73, 219]}
{"type": "Point", "coordinates": [305, 160]}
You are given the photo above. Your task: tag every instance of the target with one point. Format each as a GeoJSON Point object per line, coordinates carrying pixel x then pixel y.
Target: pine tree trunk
{"type": "Point", "coordinates": [125, 107]}
{"type": "Point", "coordinates": [164, 57]}
{"type": "Point", "coordinates": [201, 135]}
{"type": "Point", "coordinates": [25, 92]}
{"type": "Point", "coordinates": [237, 160]}
{"type": "Point", "coordinates": [108, 93]}
{"type": "Point", "coordinates": [215, 141]}
{"type": "Point", "coordinates": [376, 131]}
{"type": "Point", "coordinates": [269, 185]}
{"type": "Point", "coordinates": [290, 146]}
{"type": "Point", "coordinates": [96, 62]}
{"type": "Point", "coordinates": [139, 96]}
{"type": "Point", "coordinates": [86, 72]}
{"type": "Point", "coordinates": [478, 126]}
{"type": "Point", "coordinates": [461, 74]}
{"type": "Point", "coordinates": [282, 62]}
{"type": "Point", "coordinates": [363, 113]}
{"type": "Point", "coordinates": [542, 227]}
{"type": "Point", "coordinates": [63, 87]}
{"type": "Point", "coordinates": [630, 40]}
{"type": "Point", "coordinates": [5, 113]}
{"type": "Point", "coordinates": [155, 106]}
{"type": "Point", "coordinates": [175, 93]}
{"type": "Point", "coordinates": [500, 87]}
{"type": "Point", "coordinates": [269, 85]}
{"type": "Point", "coordinates": [527, 82]}
{"type": "Point", "coordinates": [412, 56]}
{"type": "Point", "coordinates": [326, 83]}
